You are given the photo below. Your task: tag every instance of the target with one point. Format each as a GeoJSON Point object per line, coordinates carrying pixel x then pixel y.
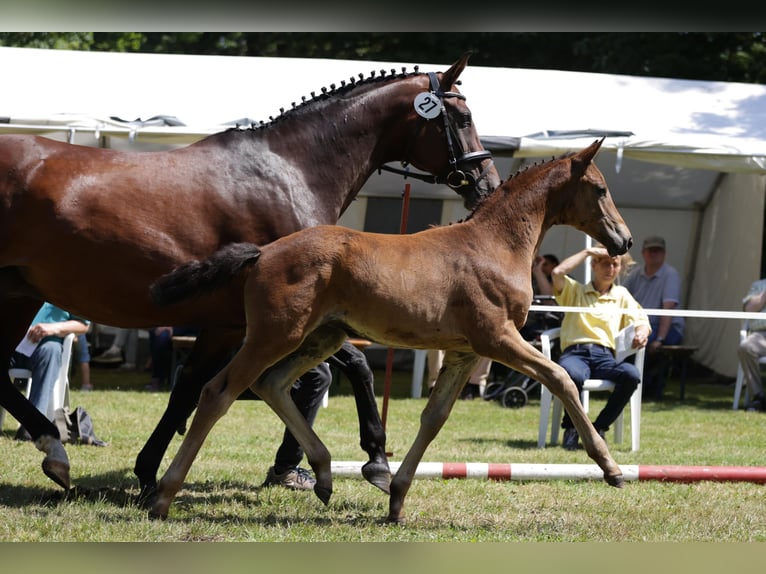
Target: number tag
{"type": "Point", "coordinates": [427, 105]}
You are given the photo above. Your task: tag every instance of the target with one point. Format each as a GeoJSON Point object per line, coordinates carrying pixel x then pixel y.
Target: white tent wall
{"type": "Point", "coordinates": [728, 260]}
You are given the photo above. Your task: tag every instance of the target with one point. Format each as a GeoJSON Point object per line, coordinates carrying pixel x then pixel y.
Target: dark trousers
{"type": "Point", "coordinates": [596, 362]}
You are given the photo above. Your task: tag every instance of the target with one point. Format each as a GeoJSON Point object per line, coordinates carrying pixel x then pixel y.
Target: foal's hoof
{"type": "Point", "coordinates": [57, 471]}
{"type": "Point", "coordinates": [618, 481]}
{"type": "Point", "coordinates": [378, 474]}
{"type": "Point", "coordinates": [148, 496]}
{"type": "Point", "coordinates": [154, 515]}
{"type": "Point", "coordinates": [323, 493]}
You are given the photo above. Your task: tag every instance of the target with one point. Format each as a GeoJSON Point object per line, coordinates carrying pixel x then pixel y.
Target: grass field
{"type": "Point", "coordinates": [221, 500]}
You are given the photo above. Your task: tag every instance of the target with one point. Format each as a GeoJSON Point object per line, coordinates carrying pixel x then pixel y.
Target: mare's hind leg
{"type": "Point", "coordinates": [513, 351]}
{"type": "Point", "coordinates": [211, 350]}
{"type": "Point", "coordinates": [352, 362]}
{"type": "Point", "coordinates": [455, 371]}
{"type": "Point", "coordinates": [16, 315]}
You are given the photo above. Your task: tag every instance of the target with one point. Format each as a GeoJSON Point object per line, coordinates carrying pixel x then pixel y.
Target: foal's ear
{"type": "Point", "coordinates": [586, 156]}
{"type": "Point", "coordinates": [450, 76]}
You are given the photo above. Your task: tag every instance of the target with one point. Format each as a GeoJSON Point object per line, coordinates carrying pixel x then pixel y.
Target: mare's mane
{"type": "Point", "coordinates": [334, 91]}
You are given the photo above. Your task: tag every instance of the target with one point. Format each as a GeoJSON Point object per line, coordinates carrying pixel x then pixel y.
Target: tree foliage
{"type": "Point", "coordinates": [735, 56]}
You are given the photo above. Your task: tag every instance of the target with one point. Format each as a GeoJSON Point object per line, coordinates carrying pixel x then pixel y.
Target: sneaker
{"type": "Point", "coordinates": [86, 388]}
{"type": "Point", "coordinates": [111, 355]}
{"type": "Point", "coordinates": [756, 405]}
{"type": "Point", "coordinates": [296, 478]}
{"type": "Point", "coordinates": [571, 439]}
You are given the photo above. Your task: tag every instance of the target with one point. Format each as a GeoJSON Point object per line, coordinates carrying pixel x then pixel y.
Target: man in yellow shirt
{"type": "Point", "coordinates": [588, 339]}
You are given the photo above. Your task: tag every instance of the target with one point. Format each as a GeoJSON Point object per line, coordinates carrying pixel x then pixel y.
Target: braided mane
{"type": "Point", "coordinates": [333, 91]}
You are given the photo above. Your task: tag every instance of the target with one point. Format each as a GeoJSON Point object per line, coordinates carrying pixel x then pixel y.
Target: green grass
{"type": "Point", "coordinates": [221, 500]}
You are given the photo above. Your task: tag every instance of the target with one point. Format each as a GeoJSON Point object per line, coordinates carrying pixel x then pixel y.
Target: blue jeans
{"type": "Point", "coordinates": [45, 364]}
{"type": "Point", "coordinates": [598, 362]}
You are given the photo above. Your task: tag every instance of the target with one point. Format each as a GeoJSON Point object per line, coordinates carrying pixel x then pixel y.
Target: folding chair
{"type": "Point", "coordinates": [591, 385]}
{"type": "Point", "coordinates": [60, 396]}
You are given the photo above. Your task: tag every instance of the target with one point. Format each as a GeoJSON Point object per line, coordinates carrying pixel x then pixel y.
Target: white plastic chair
{"type": "Point", "coordinates": [743, 333]}
{"type": "Point", "coordinates": [591, 385]}
{"type": "Point", "coordinates": [60, 396]}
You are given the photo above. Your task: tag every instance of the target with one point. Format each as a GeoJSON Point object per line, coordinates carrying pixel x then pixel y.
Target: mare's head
{"type": "Point", "coordinates": [587, 205]}
{"type": "Point", "coordinates": [442, 139]}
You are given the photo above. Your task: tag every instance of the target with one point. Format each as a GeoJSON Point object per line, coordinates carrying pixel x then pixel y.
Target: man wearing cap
{"type": "Point", "coordinates": [656, 285]}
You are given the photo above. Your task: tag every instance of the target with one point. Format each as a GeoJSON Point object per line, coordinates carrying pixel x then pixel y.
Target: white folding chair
{"type": "Point", "coordinates": [60, 396]}
{"type": "Point", "coordinates": [547, 400]}
{"type": "Point", "coordinates": [744, 331]}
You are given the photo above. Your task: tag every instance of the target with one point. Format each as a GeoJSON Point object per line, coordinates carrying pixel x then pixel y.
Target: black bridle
{"type": "Point", "coordinates": [456, 178]}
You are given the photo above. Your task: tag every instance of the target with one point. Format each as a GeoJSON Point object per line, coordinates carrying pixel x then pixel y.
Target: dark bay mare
{"type": "Point", "coordinates": [90, 229]}
{"type": "Point", "coordinates": [465, 288]}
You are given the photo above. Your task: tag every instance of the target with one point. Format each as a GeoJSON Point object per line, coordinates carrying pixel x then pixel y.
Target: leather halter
{"type": "Point", "coordinates": [456, 178]}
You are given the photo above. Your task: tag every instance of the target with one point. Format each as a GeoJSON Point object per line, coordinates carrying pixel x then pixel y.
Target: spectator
{"type": "Point", "coordinates": [41, 352]}
{"type": "Point", "coordinates": [588, 339]}
{"type": "Point", "coordinates": [161, 349]}
{"type": "Point", "coordinates": [753, 347]}
{"type": "Point", "coordinates": [657, 285]}
{"type": "Point", "coordinates": [83, 360]}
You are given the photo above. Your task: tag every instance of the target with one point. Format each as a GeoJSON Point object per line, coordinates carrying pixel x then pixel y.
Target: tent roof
{"type": "Point", "coordinates": [667, 139]}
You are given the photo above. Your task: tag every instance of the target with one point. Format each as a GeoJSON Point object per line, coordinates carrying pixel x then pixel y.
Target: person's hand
{"type": "Point", "coordinates": [38, 332]}
{"type": "Point", "coordinates": [640, 337]}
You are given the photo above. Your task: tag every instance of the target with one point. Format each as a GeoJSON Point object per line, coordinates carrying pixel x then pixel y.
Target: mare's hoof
{"type": "Point", "coordinates": [618, 481]}
{"type": "Point", "coordinates": [57, 471]}
{"type": "Point", "coordinates": [378, 474]}
{"type": "Point", "coordinates": [323, 493]}
{"type": "Point", "coordinates": [398, 520]}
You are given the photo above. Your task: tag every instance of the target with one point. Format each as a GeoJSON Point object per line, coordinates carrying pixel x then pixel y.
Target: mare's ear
{"type": "Point", "coordinates": [450, 76]}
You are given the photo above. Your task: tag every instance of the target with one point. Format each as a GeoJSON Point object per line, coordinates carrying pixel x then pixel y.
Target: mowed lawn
{"type": "Point", "coordinates": [222, 501]}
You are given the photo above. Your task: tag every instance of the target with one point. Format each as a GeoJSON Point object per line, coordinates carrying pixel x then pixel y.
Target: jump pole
{"type": "Point", "coordinates": [390, 353]}
{"type": "Point", "coordinates": [521, 471]}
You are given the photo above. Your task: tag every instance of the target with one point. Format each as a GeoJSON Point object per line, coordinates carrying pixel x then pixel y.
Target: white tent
{"type": "Point", "coordinates": [685, 159]}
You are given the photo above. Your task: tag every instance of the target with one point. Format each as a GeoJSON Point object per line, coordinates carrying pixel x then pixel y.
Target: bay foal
{"type": "Point", "coordinates": [464, 288]}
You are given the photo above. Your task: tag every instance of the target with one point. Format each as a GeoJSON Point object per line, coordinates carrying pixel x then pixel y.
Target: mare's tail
{"type": "Point", "coordinates": [198, 277]}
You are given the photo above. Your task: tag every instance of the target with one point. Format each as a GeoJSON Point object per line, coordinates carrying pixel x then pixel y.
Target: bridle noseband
{"type": "Point", "coordinates": [456, 178]}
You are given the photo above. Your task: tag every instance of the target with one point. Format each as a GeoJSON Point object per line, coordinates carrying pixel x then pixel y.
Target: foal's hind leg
{"type": "Point", "coordinates": [211, 350]}
{"type": "Point", "coordinates": [455, 371]}
{"type": "Point", "coordinates": [273, 387]}
{"type": "Point", "coordinates": [352, 362]}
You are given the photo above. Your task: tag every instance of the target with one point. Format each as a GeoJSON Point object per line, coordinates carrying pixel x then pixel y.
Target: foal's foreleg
{"type": "Point", "coordinates": [521, 356]}
{"type": "Point", "coordinates": [352, 362]}
{"type": "Point", "coordinates": [455, 371]}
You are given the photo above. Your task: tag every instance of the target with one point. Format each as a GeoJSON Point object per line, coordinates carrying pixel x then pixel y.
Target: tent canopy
{"type": "Point", "coordinates": [686, 159]}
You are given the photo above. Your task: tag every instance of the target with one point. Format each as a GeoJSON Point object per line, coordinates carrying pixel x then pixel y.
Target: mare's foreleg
{"type": "Point", "coordinates": [210, 352]}
{"type": "Point", "coordinates": [352, 362]}
{"type": "Point", "coordinates": [455, 371]}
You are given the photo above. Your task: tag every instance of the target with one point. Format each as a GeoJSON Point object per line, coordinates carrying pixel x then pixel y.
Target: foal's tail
{"type": "Point", "coordinates": [198, 277]}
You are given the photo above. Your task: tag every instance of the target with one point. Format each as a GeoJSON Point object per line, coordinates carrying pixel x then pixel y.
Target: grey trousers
{"type": "Point", "coordinates": [750, 351]}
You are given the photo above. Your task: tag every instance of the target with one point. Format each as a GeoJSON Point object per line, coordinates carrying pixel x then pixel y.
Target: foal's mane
{"type": "Point", "coordinates": [305, 104]}
{"type": "Point", "coordinates": [509, 185]}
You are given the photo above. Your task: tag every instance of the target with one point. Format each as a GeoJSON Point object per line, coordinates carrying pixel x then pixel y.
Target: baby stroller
{"type": "Point", "coordinates": [512, 389]}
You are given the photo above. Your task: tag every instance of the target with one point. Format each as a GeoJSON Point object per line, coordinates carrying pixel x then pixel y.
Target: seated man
{"type": "Point", "coordinates": [753, 347]}
{"type": "Point", "coordinates": [41, 352]}
{"type": "Point", "coordinates": [587, 339]}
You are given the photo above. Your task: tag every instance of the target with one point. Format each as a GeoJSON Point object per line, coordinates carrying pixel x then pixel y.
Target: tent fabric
{"type": "Point", "coordinates": [685, 159]}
